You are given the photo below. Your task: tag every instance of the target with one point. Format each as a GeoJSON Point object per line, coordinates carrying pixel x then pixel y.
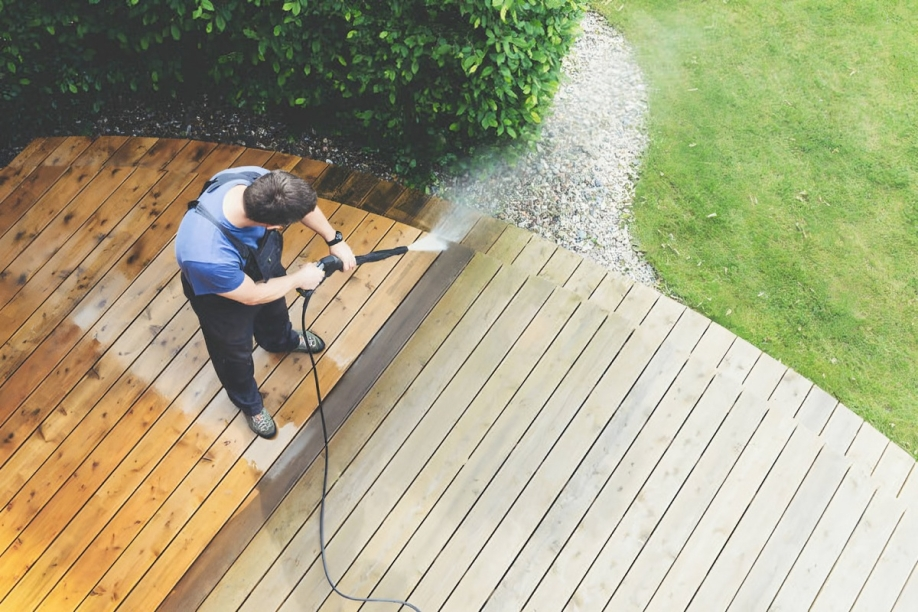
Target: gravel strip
{"type": "Point", "coordinates": [575, 189]}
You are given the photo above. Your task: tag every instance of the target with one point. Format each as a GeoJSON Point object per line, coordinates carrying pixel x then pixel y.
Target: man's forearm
{"type": "Point", "coordinates": [252, 293]}
{"type": "Point", "coordinates": [317, 222]}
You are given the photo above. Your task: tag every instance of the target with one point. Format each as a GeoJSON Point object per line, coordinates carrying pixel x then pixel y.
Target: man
{"type": "Point", "coordinates": [222, 247]}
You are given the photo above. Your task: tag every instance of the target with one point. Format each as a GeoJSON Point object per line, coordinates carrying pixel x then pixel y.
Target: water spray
{"type": "Point", "coordinates": [331, 264]}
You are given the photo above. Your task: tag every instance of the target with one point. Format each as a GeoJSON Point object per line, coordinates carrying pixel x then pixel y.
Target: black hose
{"type": "Point", "coordinates": [374, 256]}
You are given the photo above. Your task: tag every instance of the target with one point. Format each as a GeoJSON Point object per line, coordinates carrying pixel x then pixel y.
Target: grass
{"type": "Point", "coordinates": [779, 195]}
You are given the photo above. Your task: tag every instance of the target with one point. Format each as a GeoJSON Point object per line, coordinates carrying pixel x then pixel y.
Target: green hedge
{"type": "Point", "coordinates": [430, 79]}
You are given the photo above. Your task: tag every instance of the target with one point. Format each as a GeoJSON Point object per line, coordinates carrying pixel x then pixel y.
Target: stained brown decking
{"type": "Point", "coordinates": [516, 428]}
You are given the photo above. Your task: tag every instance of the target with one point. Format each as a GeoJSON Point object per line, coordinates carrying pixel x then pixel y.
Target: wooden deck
{"type": "Point", "coordinates": [516, 428]}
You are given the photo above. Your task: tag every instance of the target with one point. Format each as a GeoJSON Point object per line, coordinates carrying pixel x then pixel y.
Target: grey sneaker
{"type": "Point", "coordinates": [262, 423]}
{"type": "Point", "coordinates": [310, 343]}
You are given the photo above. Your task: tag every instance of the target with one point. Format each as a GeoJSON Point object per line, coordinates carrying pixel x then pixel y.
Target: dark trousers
{"type": "Point", "coordinates": [228, 328]}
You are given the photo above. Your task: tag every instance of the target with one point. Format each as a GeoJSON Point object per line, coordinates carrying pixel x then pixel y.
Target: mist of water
{"type": "Point", "coordinates": [430, 242]}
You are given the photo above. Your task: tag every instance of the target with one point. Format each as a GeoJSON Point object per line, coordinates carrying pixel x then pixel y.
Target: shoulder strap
{"type": "Point", "coordinates": [222, 179]}
{"type": "Point", "coordinates": [244, 249]}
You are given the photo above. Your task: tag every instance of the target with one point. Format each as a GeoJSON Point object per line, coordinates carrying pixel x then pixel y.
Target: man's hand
{"type": "Point", "coordinates": [343, 252]}
{"type": "Point", "coordinates": [308, 277]}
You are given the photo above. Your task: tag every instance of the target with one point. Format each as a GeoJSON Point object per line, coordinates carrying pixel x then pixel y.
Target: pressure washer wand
{"type": "Point", "coordinates": [331, 264]}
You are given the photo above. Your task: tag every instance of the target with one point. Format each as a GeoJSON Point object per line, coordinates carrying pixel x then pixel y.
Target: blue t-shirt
{"type": "Point", "coordinates": [206, 257]}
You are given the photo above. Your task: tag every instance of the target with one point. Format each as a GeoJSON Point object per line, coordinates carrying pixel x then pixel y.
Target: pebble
{"type": "Point", "coordinates": [576, 188]}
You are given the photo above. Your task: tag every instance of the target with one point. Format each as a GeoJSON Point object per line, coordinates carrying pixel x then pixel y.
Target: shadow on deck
{"type": "Point", "coordinates": [515, 428]}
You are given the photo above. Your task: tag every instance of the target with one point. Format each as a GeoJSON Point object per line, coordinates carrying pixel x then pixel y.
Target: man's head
{"type": "Point", "coordinates": [278, 198]}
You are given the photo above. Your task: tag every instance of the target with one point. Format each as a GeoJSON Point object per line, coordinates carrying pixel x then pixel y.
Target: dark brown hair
{"type": "Point", "coordinates": [278, 198]}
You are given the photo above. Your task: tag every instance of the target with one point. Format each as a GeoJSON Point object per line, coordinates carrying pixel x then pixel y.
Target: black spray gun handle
{"type": "Point", "coordinates": [331, 264]}
{"type": "Point", "coordinates": [328, 264]}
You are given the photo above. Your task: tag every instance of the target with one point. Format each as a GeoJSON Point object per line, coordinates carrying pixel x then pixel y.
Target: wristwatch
{"type": "Point", "coordinates": [338, 238]}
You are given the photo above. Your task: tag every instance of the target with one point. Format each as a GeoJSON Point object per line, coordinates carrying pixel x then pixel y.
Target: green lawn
{"type": "Point", "coordinates": [779, 195]}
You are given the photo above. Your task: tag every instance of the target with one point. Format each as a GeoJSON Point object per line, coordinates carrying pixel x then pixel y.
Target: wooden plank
{"type": "Point", "coordinates": [11, 179]}
{"type": "Point", "coordinates": [33, 203]}
{"type": "Point", "coordinates": [893, 468]}
{"type": "Point", "coordinates": [68, 151]}
{"type": "Point", "coordinates": [101, 415]}
{"type": "Point", "coordinates": [354, 189]}
{"type": "Point", "coordinates": [451, 456]}
{"type": "Point", "coordinates": [55, 255]}
{"type": "Point", "coordinates": [36, 151]}
{"type": "Point", "coordinates": [308, 169]}
{"type": "Point", "coordinates": [104, 449]}
{"type": "Point", "coordinates": [54, 217]}
{"type": "Point", "coordinates": [227, 546]}
{"type": "Point", "coordinates": [161, 473]}
{"type": "Point", "coordinates": [859, 555]}
{"type": "Point", "coordinates": [330, 183]}
{"type": "Point", "coordinates": [448, 221]}
{"type": "Point", "coordinates": [790, 535]}
{"type": "Point", "coordinates": [104, 312]}
{"type": "Point", "coordinates": [637, 303]}
{"type": "Point", "coordinates": [54, 387]}
{"type": "Point", "coordinates": [726, 575]}
{"type": "Point", "coordinates": [489, 319]}
{"type": "Point", "coordinates": [330, 180]}
{"type": "Point", "coordinates": [100, 151]}
{"type": "Point", "coordinates": [538, 554]}
{"type": "Point", "coordinates": [826, 543]}
{"type": "Point", "coordinates": [373, 410]}
{"type": "Point", "coordinates": [868, 446]}
{"type": "Point", "coordinates": [105, 252]}
{"type": "Point", "coordinates": [666, 508]}
{"type": "Point", "coordinates": [220, 157]}
{"type": "Point", "coordinates": [408, 206]}
{"type": "Point", "coordinates": [612, 290]}
{"type": "Point", "coordinates": [406, 492]}
{"type": "Point", "coordinates": [82, 361]}
{"type": "Point", "coordinates": [22, 305]}
{"type": "Point", "coordinates": [896, 562]}
{"type": "Point", "coordinates": [478, 536]}
{"type": "Point", "coordinates": [59, 305]}
{"type": "Point", "coordinates": [190, 156]}
{"type": "Point", "coordinates": [908, 598]}
{"type": "Point", "coordinates": [534, 255]}
{"type": "Point", "coordinates": [816, 409]}
{"type": "Point", "coordinates": [510, 244]}
{"type": "Point", "coordinates": [132, 151]}
{"type": "Point", "coordinates": [251, 157]}
{"type": "Point", "coordinates": [561, 266]}
{"type": "Point", "coordinates": [483, 235]}
{"type": "Point", "coordinates": [510, 452]}
{"type": "Point", "coordinates": [586, 278]}
{"type": "Point", "coordinates": [161, 153]}
{"type": "Point", "coordinates": [193, 532]}
{"type": "Point", "coordinates": [842, 428]}
{"type": "Point", "coordinates": [790, 394]}
{"type": "Point", "coordinates": [380, 198]}
{"type": "Point", "coordinates": [699, 552]}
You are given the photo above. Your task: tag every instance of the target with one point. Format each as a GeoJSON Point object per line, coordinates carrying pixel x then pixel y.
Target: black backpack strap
{"type": "Point", "coordinates": [260, 264]}
{"type": "Point", "coordinates": [221, 179]}
{"type": "Point", "coordinates": [244, 249]}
